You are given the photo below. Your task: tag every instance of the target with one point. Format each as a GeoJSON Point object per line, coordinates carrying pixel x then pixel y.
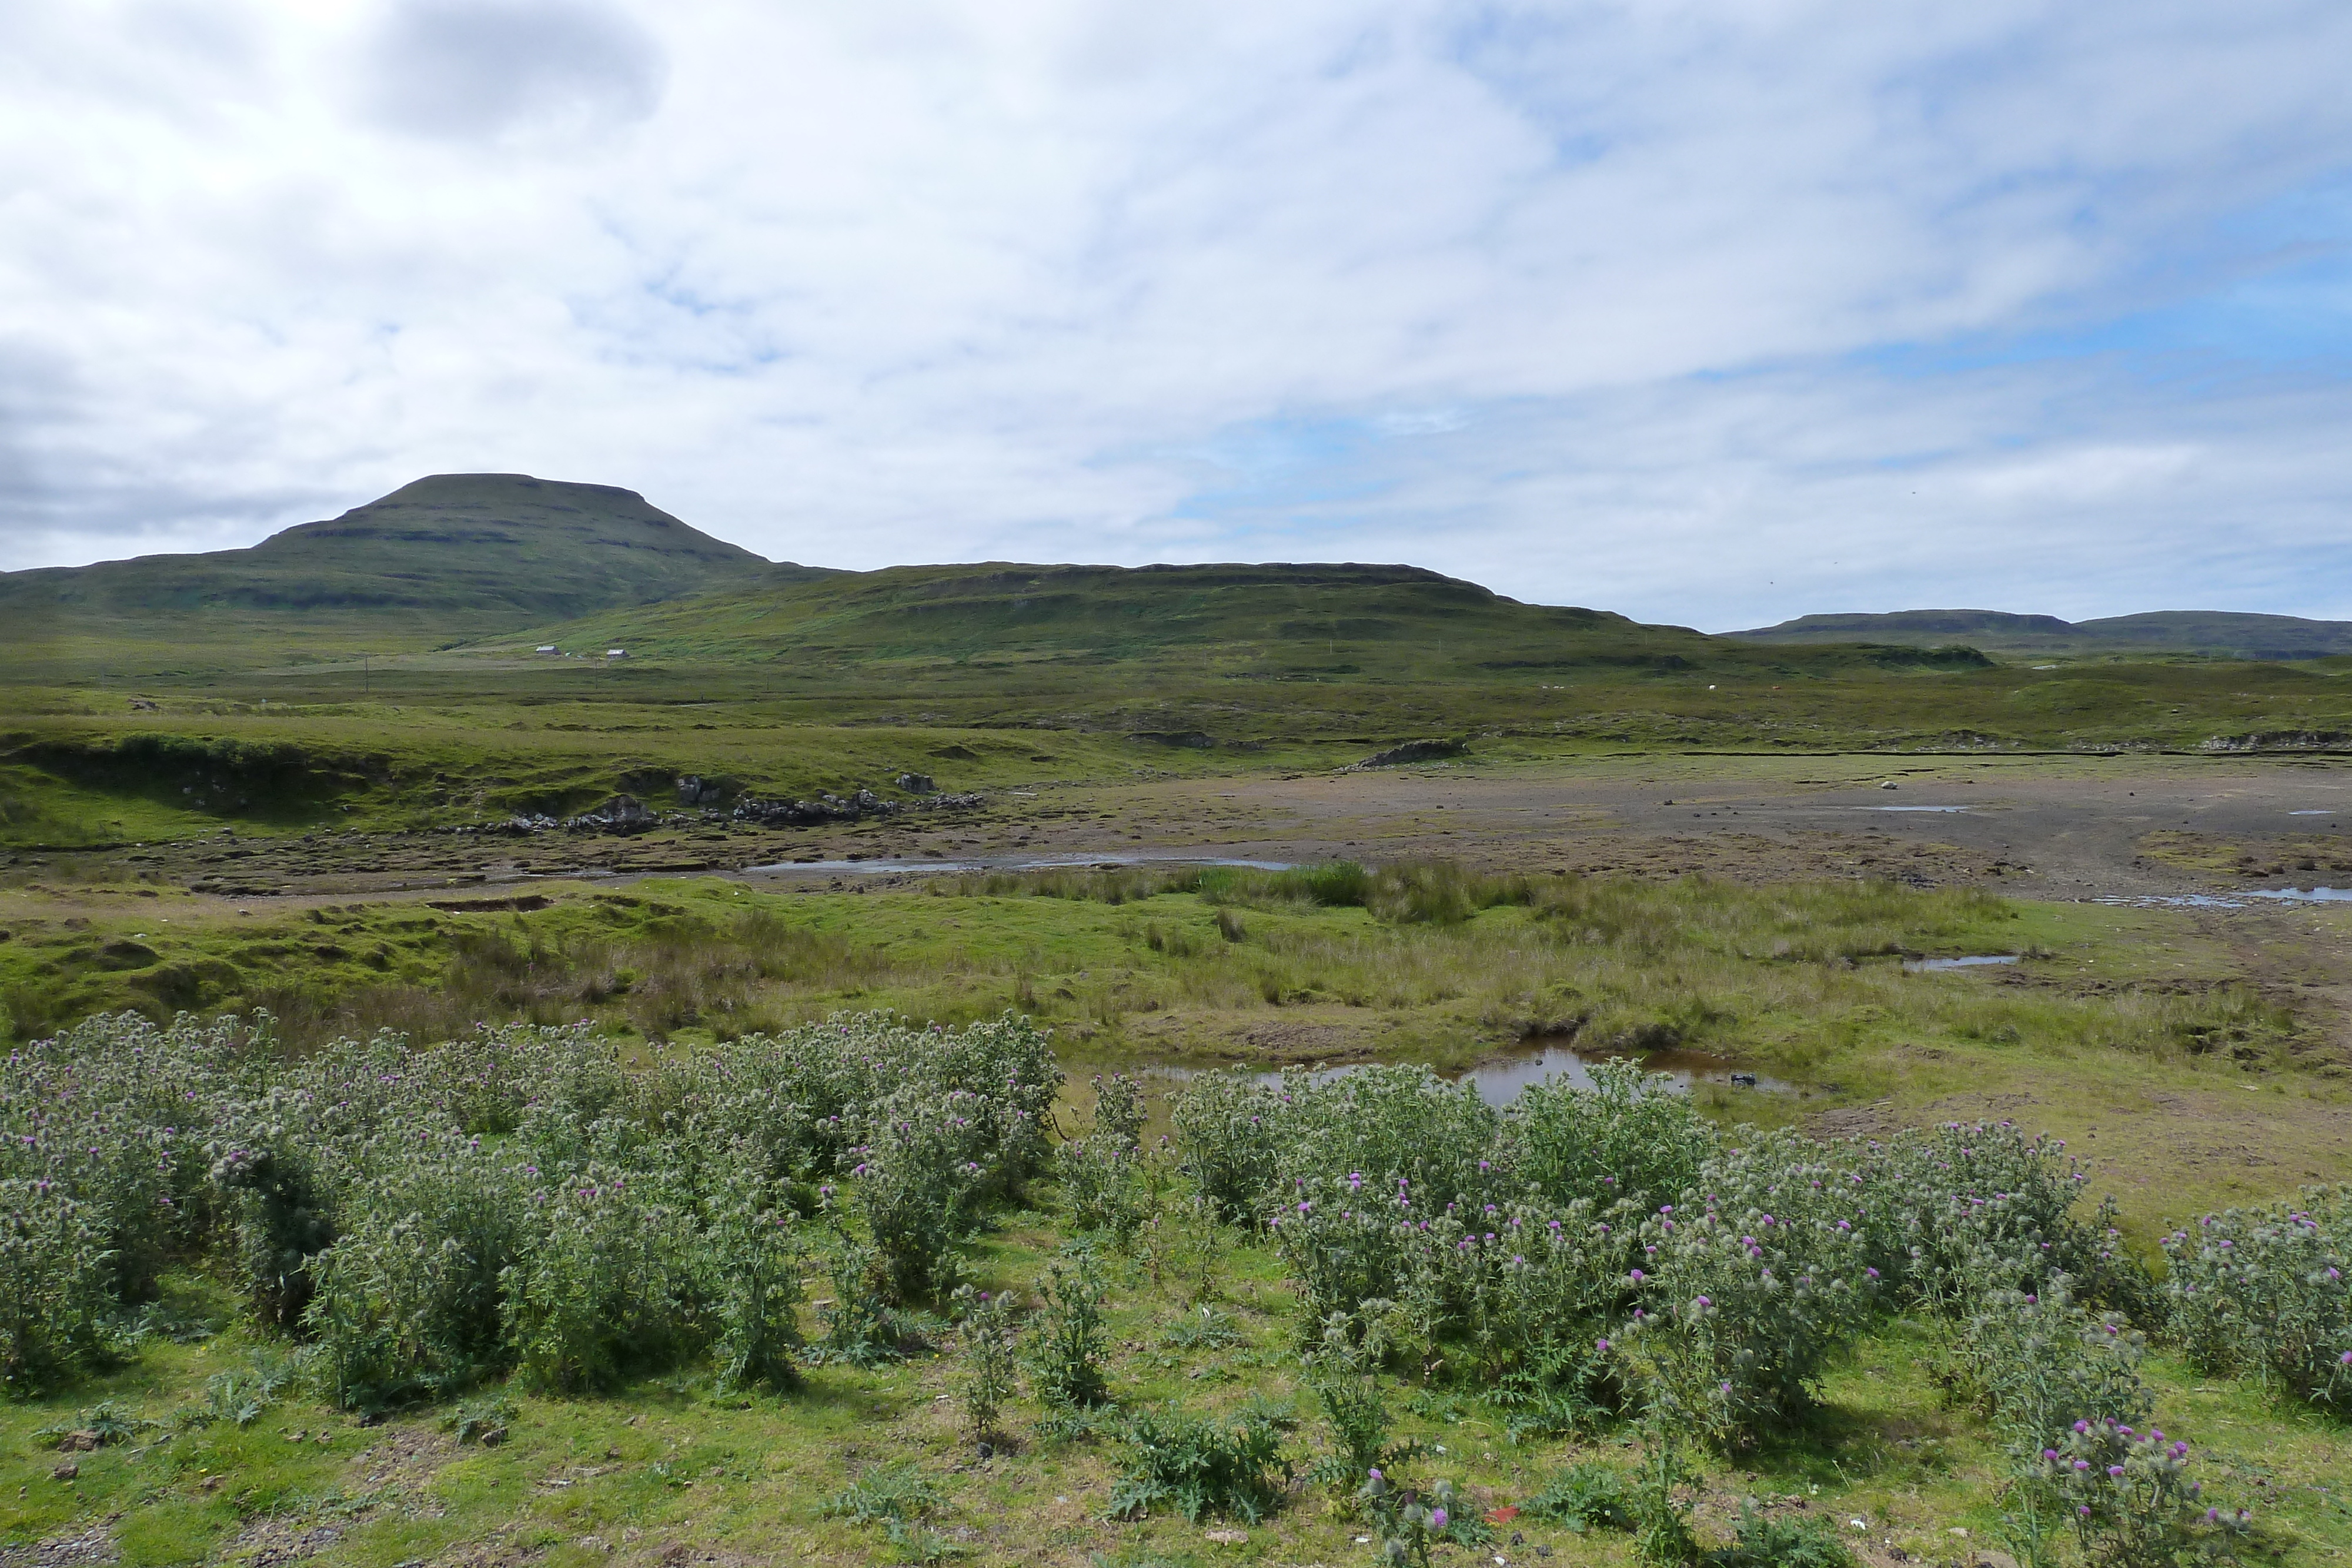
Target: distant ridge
{"type": "Point", "coordinates": [2217, 634]}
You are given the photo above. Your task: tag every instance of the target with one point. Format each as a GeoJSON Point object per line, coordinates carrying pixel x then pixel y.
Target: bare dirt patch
{"type": "Point", "coordinates": [400, 1466]}
{"type": "Point", "coordinates": [90, 1548]}
{"type": "Point", "coordinates": [1228, 1037]}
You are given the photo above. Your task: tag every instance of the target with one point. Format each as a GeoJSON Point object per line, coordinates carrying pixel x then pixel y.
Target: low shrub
{"type": "Point", "coordinates": [990, 1339]}
{"type": "Point", "coordinates": [1629, 1137]}
{"type": "Point", "coordinates": [755, 1261]}
{"type": "Point", "coordinates": [1749, 1292]}
{"type": "Point", "coordinates": [887, 1494]}
{"type": "Point", "coordinates": [241, 1396]}
{"type": "Point", "coordinates": [1067, 1349]}
{"type": "Point", "coordinates": [1200, 1466]}
{"type": "Point", "coordinates": [2040, 1363]}
{"type": "Point", "coordinates": [2264, 1292]}
{"type": "Point", "coordinates": [99, 1426]}
{"type": "Point", "coordinates": [860, 1327]}
{"type": "Point", "coordinates": [1771, 1541]}
{"type": "Point", "coordinates": [483, 1421]}
{"type": "Point", "coordinates": [56, 1289]}
{"type": "Point", "coordinates": [1587, 1496]}
{"type": "Point", "coordinates": [609, 1281]}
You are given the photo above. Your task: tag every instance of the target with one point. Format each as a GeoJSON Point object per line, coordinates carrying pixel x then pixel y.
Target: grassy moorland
{"type": "Point", "coordinates": [448, 739]}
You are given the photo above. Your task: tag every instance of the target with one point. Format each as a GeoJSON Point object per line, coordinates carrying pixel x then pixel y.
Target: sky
{"type": "Point", "coordinates": [1709, 313]}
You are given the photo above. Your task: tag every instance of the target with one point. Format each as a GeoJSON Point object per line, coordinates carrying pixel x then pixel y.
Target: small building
{"type": "Point", "coordinates": [616, 653]}
{"type": "Point", "coordinates": [548, 648]}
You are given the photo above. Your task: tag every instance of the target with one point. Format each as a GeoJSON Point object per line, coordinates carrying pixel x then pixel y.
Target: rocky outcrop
{"type": "Point", "coordinates": [2281, 740]}
{"type": "Point", "coordinates": [619, 814]}
{"type": "Point", "coordinates": [1415, 751]}
{"type": "Point", "coordinates": [830, 808]}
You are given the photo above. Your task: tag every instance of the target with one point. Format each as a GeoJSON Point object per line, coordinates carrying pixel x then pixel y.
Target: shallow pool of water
{"type": "Point", "coordinates": [2179, 900]}
{"type": "Point", "coordinates": [2233, 900]}
{"type": "Point", "coordinates": [881, 867]}
{"type": "Point", "coordinates": [2313, 812]}
{"type": "Point", "coordinates": [1973, 961]}
{"type": "Point", "coordinates": [1500, 1079]}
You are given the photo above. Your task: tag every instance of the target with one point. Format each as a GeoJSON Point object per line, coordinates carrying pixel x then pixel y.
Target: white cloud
{"type": "Point", "coordinates": [476, 70]}
{"type": "Point", "coordinates": [1659, 306]}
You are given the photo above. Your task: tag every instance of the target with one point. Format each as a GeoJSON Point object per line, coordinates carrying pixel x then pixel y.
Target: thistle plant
{"type": "Point", "coordinates": [2268, 1292]}
{"type": "Point", "coordinates": [756, 1253]}
{"type": "Point", "coordinates": [1067, 1349]}
{"type": "Point", "coordinates": [1406, 1524]}
{"type": "Point", "coordinates": [990, 1336]}
{"type": "Point", "coordinates": [2129, 1500]}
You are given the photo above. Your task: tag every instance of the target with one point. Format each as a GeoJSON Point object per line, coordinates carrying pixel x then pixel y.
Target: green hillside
{"type": "Point", "coordinates": [1347, 621]}
{"type": "Point", "coordinates": [2206, 634]}
{"type": "Point", "coordinates": [446, 557]}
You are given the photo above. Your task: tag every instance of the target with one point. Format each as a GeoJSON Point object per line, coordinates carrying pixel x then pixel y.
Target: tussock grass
{"type": "Point", "coordinates": [1434, 959]}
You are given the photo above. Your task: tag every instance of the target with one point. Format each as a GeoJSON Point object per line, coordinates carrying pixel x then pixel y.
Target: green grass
{"type": "Point", "coordinates": [670, 1467]}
